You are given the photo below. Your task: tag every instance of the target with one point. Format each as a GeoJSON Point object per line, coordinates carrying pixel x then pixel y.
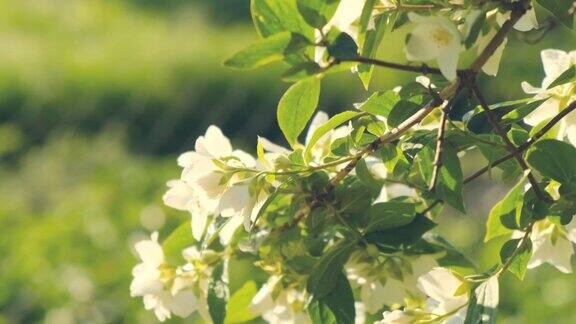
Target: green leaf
{"type": "Point", "coordinates": [388, 215]}
{"type": "Point", "coordinates": [473, 28]}
{"type": "Point", "coordinates": [392, 240]}
{"type": "Point", "coordinates": [297, 107]}
{"type": "Point", "coordinates": [262, 52]}
{"type": "Point", "coordinates": [302, 71]}
{"type": "Point", "coordinates": [317, 13]}
{"type": "Point", "coordinates": [325, 276]}
{"type": "Point", "coordinates": [483, 304]}
{"type": "Point", "coordinates": [178, 240]}
{"type": "Point", "coordinates": [449, 183]}
{"type": "Point", "coordinates": [337, 307]}
{"type": "Point", "coordinates": [522, 111]}
{"type": "Point", "coordinates": [372, 39]}
{"type": "Point", "coordinates": [343, 48]}
{"type": "Point", "coordinates": [238, 310]}
{"type": "Point", "coordinates": [519, 264]}
{"type": "Point", "coordinates": [273, 16]}
{"type": "Point", "coordinates": [452, 258]}
{"type": "Point", "coordinates": [366, 176]}
{"type": "Point", "coordinates": [401, 111]}
{"type": "Point", "coordinates": [554, 159]}
{"type": "Point", "coordinates": [332, 123]}
{"type": "Point", "coordinates": [504, 212]}
{"type": "Point", "coordinates": [218, 294]}
{"type": "Point", "coordinates": [380, 103]}
{"type": "Point", "coordinates": [560, 9]}
{"type": "Point", "coordinates": [566, 77]}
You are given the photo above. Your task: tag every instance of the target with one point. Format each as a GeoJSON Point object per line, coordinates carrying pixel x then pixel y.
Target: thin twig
{"type": "Point", "coordinates": [526, 144]}
{"type": "Point", "coordinates": [517, 13]}
{"type": "Point", "coordinates": [511, 147]}
{"type": "Point", "coordinates": [439, 146]}
{"type": "Point", "coordinates": [447, 93]}
{"type": "Point", "coordinates": [423, 68]}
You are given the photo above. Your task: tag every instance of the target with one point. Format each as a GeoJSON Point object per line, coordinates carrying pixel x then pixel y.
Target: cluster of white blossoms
{"type": "Point", "coordinates": [298, 226]}
{"type": "Point", "coordinates": [167, 289]}
{"type": "Point", "coordinates": [385, 281]}
{"type": "Point", "coordinates": [446, 302]}
{"type": "Point", "coordinates": [555, 63]}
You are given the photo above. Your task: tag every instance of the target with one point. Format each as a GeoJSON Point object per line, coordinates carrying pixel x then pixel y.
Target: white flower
{"type": "Point", "coordinates": [395, 317]}
{"type": "Point", "coordinates": [188, 197]}
{"type": "Point", "coordinates": [493, 63]}
{"type": "Point", "coordinates": [279, 305]}
{"type": "Point", "coordinates": [200, 167]}
{"type": "Point", "coordinates": [526, 23]}
{"type": "Point", "coordinates": [375, 292]}
{"type": "Point", "coordinates": [555, 63]}
{"type": "Point", "coordinates": [441, 285]}
{"type": "Point", "coordinates": [435, 38]}
{"type": "Point", "coordinates": [206, 189]}
{"type": "Point", "coordinates": [149, 282]}
{"type": "Point", "coordinates": [551, 244]}
{"type": "Point", "coordinates": [346, 14]}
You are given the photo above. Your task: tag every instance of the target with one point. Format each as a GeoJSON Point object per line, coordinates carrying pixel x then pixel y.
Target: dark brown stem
{"type": "Point", "coordinates": [511, 147]}
{"type": "Point", "coordinates": [423, 68]}
{"type": "Point", "coordinates": [439, 147]}
{"type": "Point", "coordinates": [526, 144]}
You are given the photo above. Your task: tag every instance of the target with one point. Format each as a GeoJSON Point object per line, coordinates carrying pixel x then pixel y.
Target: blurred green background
{"type": "Point", "coordinates": [97, 98]}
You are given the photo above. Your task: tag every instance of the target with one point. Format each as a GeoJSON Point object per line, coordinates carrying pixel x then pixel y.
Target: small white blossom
{"type": "Point", "coordinates": [526, 23]}
{"type": "Point", "coordinates": [555, 63]}
{"type": "Point", "coordinates": [279, 305]}
{"type": "Point", "coordinates": [150, 282]}
{"type": "Point", "coordinates": [395, 317]}
{"type": "Point", "coordinates": [551, 244]}
{"type": "Point", "coordinates": [435, 38]}
{"type": "Point", "coordinates": [441, 285]}
{"type": "Point", "coordinates": [378, 289]}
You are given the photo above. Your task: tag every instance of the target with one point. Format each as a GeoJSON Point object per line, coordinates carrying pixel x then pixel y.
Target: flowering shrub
{"type": "Point", "coordinates": [343, 223]}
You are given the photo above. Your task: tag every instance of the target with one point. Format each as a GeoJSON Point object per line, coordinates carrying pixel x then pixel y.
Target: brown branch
{"type": "Point", "coordinates": [423, 68]}
{"type": "Point", "coordinates": [439, 146]}
{"type": "Point", "coordinates": [511, 147]}
{"type": "Point", "coordinates": [519, 10]}
{"type": "Point", "coordinates": [446, 94]}
{"type": "Point", "coordinates": [526, 144]}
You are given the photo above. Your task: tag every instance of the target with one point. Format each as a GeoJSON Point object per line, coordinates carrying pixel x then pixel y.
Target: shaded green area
{"type": "Point", "coordinates": [96, 99]}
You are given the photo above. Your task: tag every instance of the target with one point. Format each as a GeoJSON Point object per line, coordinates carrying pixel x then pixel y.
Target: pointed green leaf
{"type": "Point", "coordinates": [483, 304]}
{"type": "Point", "coordinates": [317, 13]}
{"type": "Point", "coordinates": [391, 214]}
{"type": "Point", "coordinates": [332, 123]}
{"type": "Point", "coordinates": [554, 159]}
{"type": "Point", "coordinates": [519, 264]}
{"type": "Point", "coordinates": [273, 16]}
{"type": "Point", "coordinates": [238, 310]}
{"type": "Point", "coordinates": [262, 52]}
{"type": "Point", "coordinates": [297, 107]}
{"type": "Point", "coordinates": [504, 212]}
{"type": "Point", "coordinates": [324, 278]}
{"type": "Point", "coordinates": [337, 307]}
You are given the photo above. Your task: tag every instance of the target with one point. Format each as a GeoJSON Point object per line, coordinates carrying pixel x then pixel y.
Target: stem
{"type": "Point", "coordinates": [521, 148]}
{"type": "Point", "coordinates": [521, 244]}
{"type": "Point", "coordinates": [439, 147]}
{"type": "Point", "coordinates": [517, 13]}
{"type": "Point", "coordinates": [424, 69]}
{"type": "Point", "coordinates": [511, 147]}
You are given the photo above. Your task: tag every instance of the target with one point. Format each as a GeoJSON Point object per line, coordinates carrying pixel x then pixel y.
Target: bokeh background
{"type": "Point", "coordinates": [98, 97]}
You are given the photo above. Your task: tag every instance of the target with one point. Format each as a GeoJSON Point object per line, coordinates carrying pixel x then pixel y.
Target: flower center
{"type": "Point", "coordinates": [441, 36]}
